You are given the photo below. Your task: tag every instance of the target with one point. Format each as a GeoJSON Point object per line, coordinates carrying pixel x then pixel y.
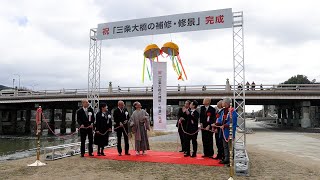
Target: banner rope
{"type": "Point", "coordinates": [199, 129]}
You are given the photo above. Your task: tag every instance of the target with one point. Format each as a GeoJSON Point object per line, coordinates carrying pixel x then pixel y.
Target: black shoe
{"type": "Point", "coordinates": [82, 155]}
{"type": "Point", "coordinates": [211, 157]}
{"type": "Point", "coordinates": [224, 162]}
{"type": "Point", "coordinates": [186, 155]}
{"type": "Point", "coordinates": [204, 156]}
{"type": "Point", "coordinates": [98, 154]}
{"type": "Point", "coordinates": [193, 155]}
{"type": "Point", "coordinates": [91, 154]}
{"type": "Point", "coordinates": [102, 154]}
{"type": "Point", "coordinates": [128, 154]}
{"type": "Point", "coordinates": [181, 151]}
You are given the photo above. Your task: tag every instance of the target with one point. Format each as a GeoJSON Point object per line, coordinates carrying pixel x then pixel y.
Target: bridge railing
{"type": "Point", "coordinates": [176, 89]}
{"type": "Point", "coordinates": [283, 87]}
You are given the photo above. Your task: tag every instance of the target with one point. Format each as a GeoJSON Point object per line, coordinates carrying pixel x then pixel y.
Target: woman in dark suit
{"type": "Point", "coordinates": [103, 128]}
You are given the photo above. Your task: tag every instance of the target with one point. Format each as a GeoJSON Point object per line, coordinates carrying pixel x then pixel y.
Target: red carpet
{"type": "Point", "coordinates": [159, 157]}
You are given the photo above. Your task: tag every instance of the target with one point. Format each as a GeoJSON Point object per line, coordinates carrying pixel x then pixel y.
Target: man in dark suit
{"type": "Point", "coordinates": [85, 119]}
{"type": "Point", "coordinates": [207, 118]}
{"type": "Point", "coordinates": [192, 128]}
{"type": "Point", "coordinates": [121, 117]}
{"type": "Point", "coordinates": [182, 123]}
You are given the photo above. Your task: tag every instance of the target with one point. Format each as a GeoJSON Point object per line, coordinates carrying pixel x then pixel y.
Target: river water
{"type": "Point", "coordinates": [16, 147]}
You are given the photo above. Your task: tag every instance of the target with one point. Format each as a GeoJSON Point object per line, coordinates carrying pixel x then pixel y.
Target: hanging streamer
{"type": "Point", "coordinates": [184, 72]}
{"type": "Point", "coordinates": [151, 64]}
{"type": "Point", "coordinates": [151, 52]}
{"type": "Point", "coordinates": [143, 67]}
{"type": "Point", "coordinates": [179, 72]}
{"type": "Point", "coordinates": [149, 73]}
{"type": "Point", "coordinates": [174, 65]}
{"type": "Point", "coordinates": [169, 54]}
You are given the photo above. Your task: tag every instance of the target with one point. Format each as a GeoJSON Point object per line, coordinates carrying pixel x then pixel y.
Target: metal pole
{"type": "Point", "coordinates": [239, 94]}
{"type": "Point", "coordinates": [18, 79]}
{"type": "Point", "coordinates": [94, 70]}
{"type": "Point", "coordinates": [239, 73]}
{"type": "Point", "coordinates": [230, 143]}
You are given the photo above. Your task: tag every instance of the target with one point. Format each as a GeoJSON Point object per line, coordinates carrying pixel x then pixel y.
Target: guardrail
{"type": "Point", "coordinates": [149, 89]}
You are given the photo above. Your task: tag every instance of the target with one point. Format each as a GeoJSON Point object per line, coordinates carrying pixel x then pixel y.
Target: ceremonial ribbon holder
{"type": "Point", "coordinates": [38, 133]}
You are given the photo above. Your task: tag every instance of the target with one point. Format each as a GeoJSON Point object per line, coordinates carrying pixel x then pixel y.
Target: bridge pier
{"type": "Point", "coordinates": [63, 128]}
{"type": "Point", "coordinates": [296, 122]}
{"type": "Point", "coordinates": [20, 122]}
{"type": "Point", "coordinates": [314, 111]}
{"type": "Point", "coordinates": [1, 132]}
{"type": "Point", "coordinates": [264, 111]}
{"type": "Point", "coordinates": [51, 122]}
{"type": "Point", "coordinates": [305, 121]}
{"type": "Point", "coordinates": [73, 123]}
{"type": "Point", "coordinates": [279, 115]}
{"type": "Point", "coordinates": [14, 121]}
{"type": "Point", "coordinates": [5, 118]}
{"type": "Point", "coordinates": [27, 127]}
{"type": "Point", "coordinates": [283, 116]}
{"type": "Point", "coordinates": [290, 117]}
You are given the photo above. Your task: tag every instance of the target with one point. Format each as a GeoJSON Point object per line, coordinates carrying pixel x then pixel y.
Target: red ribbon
{"type": "Point", "coordinates": [38, 115]}
{"type": "Point", "coordinates": [184, 72]}
{"type": "Point", "coordinates": [225, 117]}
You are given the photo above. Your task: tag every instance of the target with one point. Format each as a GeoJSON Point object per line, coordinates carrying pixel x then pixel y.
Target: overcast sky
{"type": "Point", "coordinates": [47, 43]}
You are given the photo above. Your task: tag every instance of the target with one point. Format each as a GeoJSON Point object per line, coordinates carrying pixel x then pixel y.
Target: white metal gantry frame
{"type": "Point", "coordinates": [238, 71]}
{"type": "Point", "coordinates": [94, 70]}
{"type": "Point", "coordinates": [239, 74]}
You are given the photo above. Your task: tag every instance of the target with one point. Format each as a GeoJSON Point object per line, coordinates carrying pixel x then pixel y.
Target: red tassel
{"type": "Point", "coordinates": [184, 72]}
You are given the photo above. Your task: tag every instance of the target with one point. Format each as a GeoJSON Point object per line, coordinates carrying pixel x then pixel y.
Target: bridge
{"type": "Point", "coordinates": [295, 104]}
{"type": "Point", "coordinates": [260, 95]}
